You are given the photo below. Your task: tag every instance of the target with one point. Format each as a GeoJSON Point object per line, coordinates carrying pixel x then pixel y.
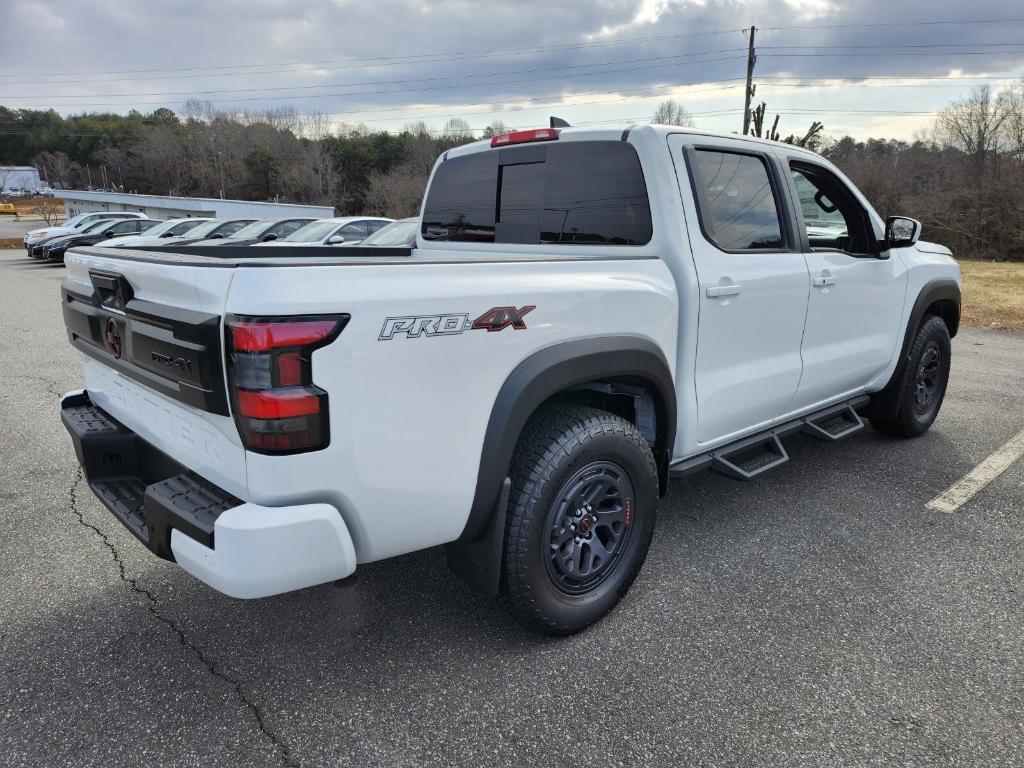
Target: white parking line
{"type": "Point", "coordinates": [983, 474]}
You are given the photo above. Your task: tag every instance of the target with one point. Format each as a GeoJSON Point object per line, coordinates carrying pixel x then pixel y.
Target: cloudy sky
{"type": "Point", "coordinates": [869, 68]}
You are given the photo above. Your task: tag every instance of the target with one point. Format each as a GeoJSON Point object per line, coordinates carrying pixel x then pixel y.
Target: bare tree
{"type": "Point", "coordinates": [1013, 127]}
{"type": "Point", "coordinates": [457, 129]}
{"type": "Point", "coordinates": [316, 128]}
{"type": "Point", "coordinates": [672, 112]}
{"type": "Point", "coordinates": [49, 210]}
{"type": "Point", "coordinates": [757, 117]}
{"type": "Point", "coordinates": [397, 193]}
{"type": "Point", "coordinates": [495, 128]}
{"type": "Point", "coordinates": [974, 124]}
{"type": "Point", "coordinates": [5, 174]}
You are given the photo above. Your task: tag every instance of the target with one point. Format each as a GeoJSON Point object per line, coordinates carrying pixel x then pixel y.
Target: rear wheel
{"type": "Point", "coordinates": [923, 385]}
{"type": "Point", "coordinates": [581, 516]}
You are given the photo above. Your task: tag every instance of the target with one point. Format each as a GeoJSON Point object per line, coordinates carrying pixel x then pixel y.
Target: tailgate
{"type": "Point", "coordinates": [151, 334]}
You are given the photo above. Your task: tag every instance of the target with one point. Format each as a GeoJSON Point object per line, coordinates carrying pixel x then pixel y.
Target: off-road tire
{"type": "Point", "coordinates": [557, 444]}
{"type": "Point", "coordinates": [914, 417]}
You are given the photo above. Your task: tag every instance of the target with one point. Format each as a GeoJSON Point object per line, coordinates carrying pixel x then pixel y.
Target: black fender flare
{"type": "Point", "coordinates": [475, 556]}
{"type": "Point", "coordinates": [886, 403]}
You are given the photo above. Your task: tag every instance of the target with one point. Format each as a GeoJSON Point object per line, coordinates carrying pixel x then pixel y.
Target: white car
{"type": "Point", "coordinates": [75, 224]}
{"type": "Point", "coordinates": [397, 234]}
{"type": "Point", "coordinates": [343, 230]}
{"type": "Point", "coordinates": [169, 228]}
{"type": "Point", "coordinates": [588, 314]}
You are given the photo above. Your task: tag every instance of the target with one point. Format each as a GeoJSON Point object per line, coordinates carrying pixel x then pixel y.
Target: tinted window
{"type": "Point", "coordinates": [833, 217]}
{"type": "Point", "coordinates": [736, 201]}
{"type": "Point", "coordinates": [124, 227]}
{"type": "Point", "coordinates": [572, 193]}
{"type": "Point", "coordinates": [460, 203]}
{"type": "Point", "coordinates": [230, 228]}
{"type": "Point", "coordinates": [285, 228]}
{"type": "Point", "coordinates": [356, 230]}
{"type": "Point", "coordinates": [185, 226]}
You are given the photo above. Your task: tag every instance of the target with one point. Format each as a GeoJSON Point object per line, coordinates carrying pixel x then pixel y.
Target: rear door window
{"type": "Point", "coordinates": [554, 194]}
{"type": "Point", "coordinates": [736, 200]}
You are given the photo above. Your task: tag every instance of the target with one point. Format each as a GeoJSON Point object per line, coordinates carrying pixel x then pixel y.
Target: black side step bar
{"type": "Point", "coordinates": [756, 454]}
{"type": "Point", "coordinates": [750, 458]}
{"type": "Point", "coordinates": [833, 426]}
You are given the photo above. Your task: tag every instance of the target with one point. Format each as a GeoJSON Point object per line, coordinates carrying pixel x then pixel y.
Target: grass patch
{"type": "Point", "coordinates": [993, 294]}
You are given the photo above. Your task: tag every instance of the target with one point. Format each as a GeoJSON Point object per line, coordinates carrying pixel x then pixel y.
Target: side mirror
{"type": "Point", "coordinates": [167, 234]}
{"type": "Point", "coordinates": [901, 231]}
{"type": "Point", "coordinates": [268, 238]}
{"type": "Point", "coordinates": [216, 237]}
{"type": "Point", "coordinates": [335, 239]}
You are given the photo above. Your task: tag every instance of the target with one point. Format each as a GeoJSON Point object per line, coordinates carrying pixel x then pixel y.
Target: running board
{"type": "Point", "coordinates": [832, 427]}
{"type": "Point", "coordinates": [750, 458]}
{"type": "Point", "coordinates": [754, 455]}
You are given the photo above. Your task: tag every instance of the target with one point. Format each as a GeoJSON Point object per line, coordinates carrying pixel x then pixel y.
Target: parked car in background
{"type": "Point", "coordinates": [55, 250]}
{"type": "Point", "coordinates": [76, 224]}
{"type": "Point", "coordinates": [169, 228]}
{"type": "Point", "coordinates": [38, 249]}
{"type": "Point", "coordinates": [262, 230]}
{"type": "Point", "coordinates": [397, 234]}
{"type": "Point", "coordinates": [214, 228]}
{"type": "Point", "coordinates": [342, 230]}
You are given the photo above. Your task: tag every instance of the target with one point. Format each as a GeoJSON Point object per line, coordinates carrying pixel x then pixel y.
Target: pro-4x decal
{"type": "Point", "coordinates": [498, 318]}
{"type": "Point", "coordinates": [415, 326]}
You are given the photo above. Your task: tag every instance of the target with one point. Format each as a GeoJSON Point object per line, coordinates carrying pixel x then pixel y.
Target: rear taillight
{"type": "Point", "coordinates": [270, 371]}
{"type": "Point", "coordinates": [524, 137]}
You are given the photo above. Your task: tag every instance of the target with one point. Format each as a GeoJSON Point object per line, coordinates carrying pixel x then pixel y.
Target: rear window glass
{"type": "Point", "coordinates": [561, 194]}
{"type": "Point", "coordinates": [736, 201]}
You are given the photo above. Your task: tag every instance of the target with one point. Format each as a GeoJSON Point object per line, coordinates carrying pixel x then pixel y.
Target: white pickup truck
{"type": "Point", "coordinates": [587, 314]}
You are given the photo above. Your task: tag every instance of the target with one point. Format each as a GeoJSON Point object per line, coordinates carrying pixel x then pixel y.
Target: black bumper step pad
{"type": "Point", "coordinates": [149, 492]}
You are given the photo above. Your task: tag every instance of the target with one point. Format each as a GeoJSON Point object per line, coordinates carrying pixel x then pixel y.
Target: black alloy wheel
{"type": "Point", "coordinates": [589, 525]}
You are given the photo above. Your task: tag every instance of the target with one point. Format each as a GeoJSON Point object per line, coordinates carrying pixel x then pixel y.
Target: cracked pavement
{"type": "Point", "coordinates": [818, 616]}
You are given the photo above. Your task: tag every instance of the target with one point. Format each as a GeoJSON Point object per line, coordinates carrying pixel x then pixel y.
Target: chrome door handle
{"type": "Point", "coordinates": [821, 282]}
{"type": "Point", "coordinates": [717, 291]}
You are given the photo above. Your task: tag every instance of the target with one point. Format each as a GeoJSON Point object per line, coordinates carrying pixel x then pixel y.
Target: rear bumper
{"type": "Point", "coordinates": [241, 549]}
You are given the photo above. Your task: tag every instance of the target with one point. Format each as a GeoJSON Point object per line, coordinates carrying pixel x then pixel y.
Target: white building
{"type": "Point", "coordinates": [160, 207]}
{"type": "Point", "coordinates": [19, 177]}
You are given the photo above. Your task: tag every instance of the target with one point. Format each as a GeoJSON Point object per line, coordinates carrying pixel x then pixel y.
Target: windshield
{"type": "Point", "coordinates": [312, 233]}
{"type": "Point", "coordinates": [206, 228]}
{"type": "Point", "coordinates": [79, 221]}
{"type": "Point", "coordinates": [256, 229]}
{"type": "Point", "coordinates": [159, 229]}
{"type": "Point", "coordinates": [181, 228]}
{"type": "Point", "coordinates": [397, 233]}
{"type": "Point", "coordinates": [95, 225]}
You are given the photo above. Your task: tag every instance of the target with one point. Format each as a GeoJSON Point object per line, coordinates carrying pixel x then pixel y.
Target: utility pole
{"type": "Point", "coordinates": [751, 59]}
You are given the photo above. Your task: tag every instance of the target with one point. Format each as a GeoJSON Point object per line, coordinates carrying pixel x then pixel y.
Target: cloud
{"type": "Point", "coordinates": [395, 60]}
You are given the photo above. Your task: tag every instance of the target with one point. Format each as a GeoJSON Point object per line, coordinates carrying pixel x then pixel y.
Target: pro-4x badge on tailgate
{"type": "Point", "coordinates": [494, 319]}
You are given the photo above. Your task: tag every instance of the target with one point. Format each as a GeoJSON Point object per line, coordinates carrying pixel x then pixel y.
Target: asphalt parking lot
{"type": "Point", "coordinates": [821, 616]}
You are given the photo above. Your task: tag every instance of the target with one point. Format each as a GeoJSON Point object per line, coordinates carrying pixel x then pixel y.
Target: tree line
{"type": "Point", "coordinates": [963, 177]}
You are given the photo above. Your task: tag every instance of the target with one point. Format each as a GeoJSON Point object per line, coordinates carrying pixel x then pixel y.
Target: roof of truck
{"type": "Point", "coordinates": [616, 132]}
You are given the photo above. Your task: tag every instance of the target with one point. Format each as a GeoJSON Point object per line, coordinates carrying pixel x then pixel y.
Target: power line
{"type": "Point", "coordinates": [378, 61]}
{"type": "Point", "coordinates": [369, 62]}
{"type": "Point", "coordinates": [890, 53]}
{"type": "Point", "coordinates": [658, 91]}
{"type": "Point", "coordinates": [130, 94]}
{"type": "Point", "coordinates": [895, 23]}
{"type": "Point", "coordinates": [401, 90]}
